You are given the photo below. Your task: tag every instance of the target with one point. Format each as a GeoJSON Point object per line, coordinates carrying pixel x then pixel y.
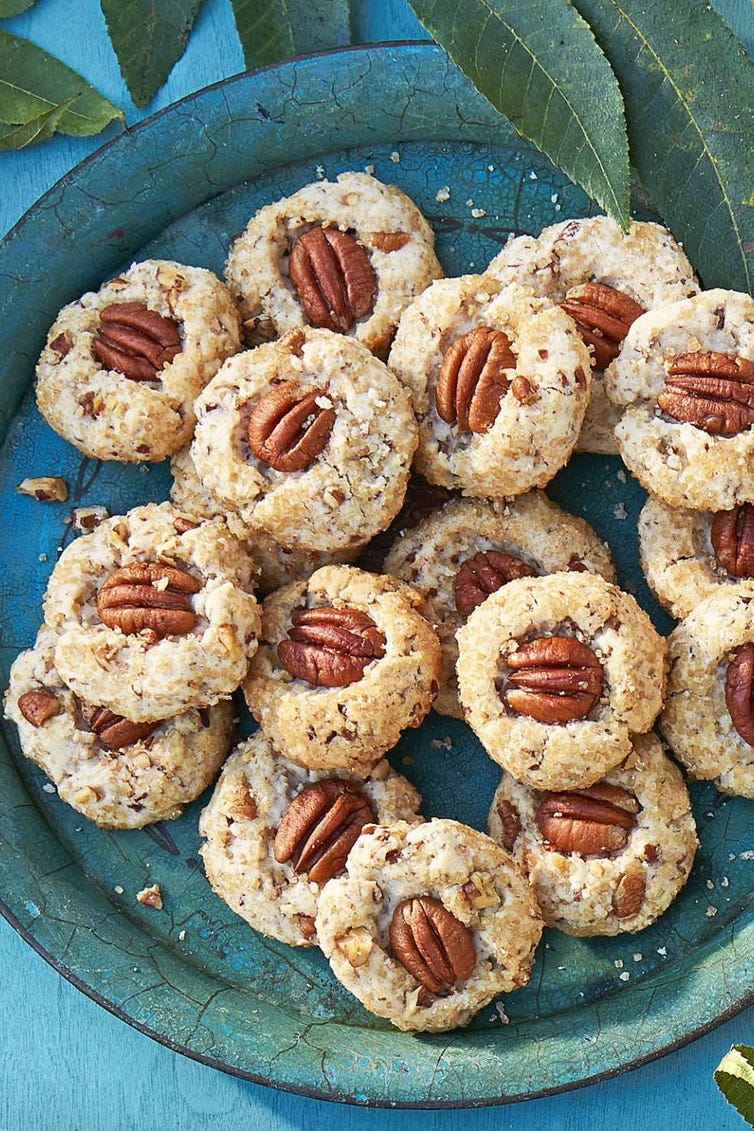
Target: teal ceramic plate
{"type": "Point", "coordinates": [193, 975]}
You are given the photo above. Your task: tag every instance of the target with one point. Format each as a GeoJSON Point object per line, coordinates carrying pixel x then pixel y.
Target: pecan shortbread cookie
{"type": "Point", "coordinates": [556, 673]}
{"type": "Point", "coordinates": [685, 383]}
{"type": "Point", "coordinates": [310, 438]}
{"type": "Point", "coordinates": [604, 278]}
{"type": "Point", "coordinates": [500, 380]}
{"type": "Point", "coordinates": [688, 556]}
{"type": "Point", "coordinates": [117, 773]}
{"type": "Point", "coordinates": [608, 858]}
{"type": "Point", "coordinates": [428, 924]}
{"type": "Point", "coordinates": [123, 365]}
{"type": "Point", "coordinates": [277, 564]}
{"type": "Point", "coordinates": [708, 718]}
{"type": "Point", "coordinates": [152, 617]}
{"type": "Point", "coordinates": [276, 833]}
{"type": "Point", "coordinates": [347, 256]}
{"type": "Point", "coordinates": [345, 664]}
{"type": "Point", "coordinates": [459, 555]}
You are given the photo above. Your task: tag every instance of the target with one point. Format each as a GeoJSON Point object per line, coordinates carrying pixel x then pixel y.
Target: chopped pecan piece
{"type": "Point", "coordinates": [510, 821]}
{"type": "Point", "coordinates": [288, 429]}
{"type": "Point", "coordinates": [39, 706]}
{"type": "Point", "coordinates": [428, 941]}
{"type": "Point", "coordinates": [554, 679]}
{"type": "Point", "coordinates": [321, 826]}
{"type": "Point", "coordinates": [732, 537]}
{"type": "Point", "coordinates": [333, 278]}
{"type": "Point", "coordinates": [739, 691]}
{"type": "Point", "coordinates": [114, 731]}
{"type": "Point", "coordinates": [46, 488]}
{"type": "Point", "coordinates": [390, 241]}
{"type": "Point", "coordinates": [135, 341]}
{"type": "Point", "coordinates": [629, 894]}
{"type": "Point", "coordinates": [712, 391]}
{"type": "Point", "coordinates": [603, 315]}
{"type": "Point", "coordinates": [485, 573]}
{"type": "Point", "coordinates": [330, 647]}
{"type": "Point", "coordinates": [148, 595]}
{"type": "Point", "coordinates": [590, 822]}
{"type": "Point", "coordinates": [473, 380]}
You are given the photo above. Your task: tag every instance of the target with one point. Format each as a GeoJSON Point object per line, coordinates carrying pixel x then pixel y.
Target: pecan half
{"type": "Point", "coordinates": [712, 391]}
{"type": "Point", "coordinates": [732, 537]}
{"type": "Point", "coordinates": [148, 595]}
{"type": "Point", "coordinates": [135, 341]}
{"type": "Point", "coordinates": [428, 941]}
{"type": "Point", "coordinates": [39, 706]}
{"type": "Point", "coordinates": [590, 822]}
{"type": "Point", "coordinates": [330, 647]}
{"type": "Point", "coordinates": [485, 573]}
{"type": "Point", "coordinates": [603, 315]}
{"type": "Point", "coordinates": [113, 730]}
{"type": "Point", "coordinates": [629, 894]}
{"type": "Point", "coordinates": [288, 429]}
{"type": "Point", "coordinates": [554, 679]}
{"type": "Point", "coordinates": [333, 278]}
{"type": "Point", "coordinates": [321, 826]}
{"type": "Point", "coordinates": [510, 821]}
{"type": "Point", "coordinates": [472, 379]}
{"type": "Point", "coordinates": [739, 691]}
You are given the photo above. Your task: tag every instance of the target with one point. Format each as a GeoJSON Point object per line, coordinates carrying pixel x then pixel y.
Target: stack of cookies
{"type": "Point", "coordinates": [289, 458]}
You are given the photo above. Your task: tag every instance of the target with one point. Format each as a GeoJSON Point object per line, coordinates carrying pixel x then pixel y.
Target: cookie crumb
{"type": "Point", "coordinates": [151, 897]}
{"type": "Point", "coordinates": [118, 889]}
{"type": "Point", "coordinates": [620, 512]}
{"type": "Point", "coordinates": [443, 194]}
{"type": "Point", "coordinates": [48, 787]}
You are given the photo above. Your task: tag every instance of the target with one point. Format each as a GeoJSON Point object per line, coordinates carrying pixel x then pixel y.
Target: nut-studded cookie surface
{"type": "Point", "coordinates": [604, 278]}
{"type": "Point", "coordinates": [708, 717]}
{"type": "Point", "coordinates": [277, 564]}
{"type": "Point", "coordinates": [685, 384]}
{"type": "Point", "coordinates": [555, 674]}
{"type": "Point", "coordinates": [152, 617]}
{"type": "Point", "coordinates": [499, 380]}
{"type": "Point", "coordinates": [428, 924]}
{"type": "Point", "coordinates": [607, 858]}
{"type": "Point", "coordinates": [469, 549]}
{"type": "Point", "coordinates": [346, 256]}
{"type": "Point", "coordinates": [688, 555]}
{"type": "Point", "coordinates": [123, 365]}
{"type": "Point", "coordinates": [276, 833]}
{"type": "Point", "coordinates": [117, 773]}
{"type": "Point", "coordinates": [346, 663]}
{"type": "Point", "coordinates": [310, 438]}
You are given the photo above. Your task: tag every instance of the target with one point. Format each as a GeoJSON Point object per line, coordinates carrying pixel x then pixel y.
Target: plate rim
{"type": "Point", "coordinates": [12, 912]}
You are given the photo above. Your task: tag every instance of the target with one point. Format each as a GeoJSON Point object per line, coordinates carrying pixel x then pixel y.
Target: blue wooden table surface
{"type": "Point", "coordinates": [65, 1063]}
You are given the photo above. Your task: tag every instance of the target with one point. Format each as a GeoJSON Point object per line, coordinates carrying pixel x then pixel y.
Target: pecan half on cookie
{"type": "Point", "coordinates": [148, 595]}
{"type": "Point", "coordinates": [713, 391]}
{"type": "Point", "coordinates": [330, 647]}
{"type": "Point", "coordinates": [604, 316]}
{"type": "Point", "coordinates": [554, 679]}
{"type": "Point", "coordinates": [428, 941]}
{"type": "Point", "coordinates": [473, 379]}
{"type": "Point", "coordinates": [289, 427]}
{"type": "Point", "coordinates": [135, 341]}
{"type": "Point", "coordinates": [589, 822]}
{"type": "Point", "coordinates": [320, 827]}
{"type": "Point", "coordinates": [333, 278]}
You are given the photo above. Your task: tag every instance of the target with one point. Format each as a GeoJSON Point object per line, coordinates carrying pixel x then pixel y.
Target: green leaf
{"type": "Point", "coordinates": [687, 83]}
{"type": "Point", "coordinates": [149, 37]}
{"type": "Point", "coordinates": [38, 129]}
{"type": "Point", "coordinates": [540, 66]}
{"type": "Point", "coordinates": [264, 28]}
{"type": "Point", "coordinates": [14, 7]}
{"type": "Point", "coordinates": [33, 84]}
{"type": "Point", "coordinates": [735, 1079]}
{"type": "Point", "coordinates": [319, 24]}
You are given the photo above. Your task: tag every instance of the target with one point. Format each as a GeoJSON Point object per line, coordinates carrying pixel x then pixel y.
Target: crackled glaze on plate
{"type": "Point", "coordinates": [193, 975]}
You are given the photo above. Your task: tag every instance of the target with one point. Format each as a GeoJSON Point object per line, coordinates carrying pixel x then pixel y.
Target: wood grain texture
{"type": "Point", "coordinates": [65, 1063]}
